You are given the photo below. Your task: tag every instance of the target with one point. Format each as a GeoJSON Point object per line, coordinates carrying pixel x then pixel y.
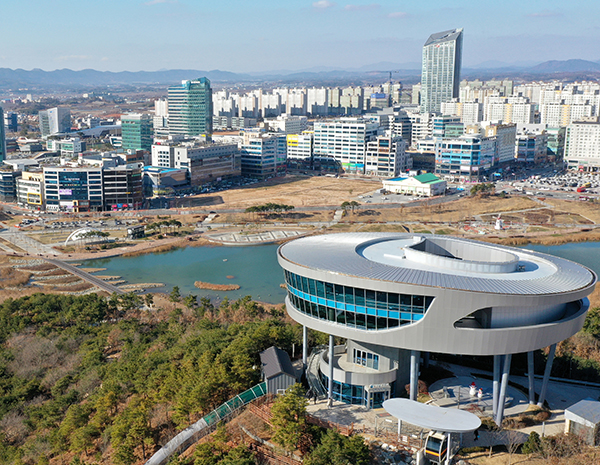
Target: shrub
{"type": "Point", "coordinates": [532, 445]}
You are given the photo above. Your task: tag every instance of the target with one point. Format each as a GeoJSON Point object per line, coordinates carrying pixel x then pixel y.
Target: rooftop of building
{"type": "Point", "coordinates": [160, 169]}
{"type": "Point", "coordinates": [438, 261]}
{"type": "Point", "coordinates": [444, 36]}
{"type": "Point", "coordinates": [275, 362]}
{"type": "Point", "coordinates": [425, 178]}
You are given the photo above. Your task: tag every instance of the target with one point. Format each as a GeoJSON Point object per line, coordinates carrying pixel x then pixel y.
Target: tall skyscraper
{"type": "Point", "coordinates": [54, 121]}
{"type": "Point", "coordinates": [440, 76]}
{"type": "Point", "coordinates": [190, 108]}
{"type": "Point", "coordinates": [136, 130]}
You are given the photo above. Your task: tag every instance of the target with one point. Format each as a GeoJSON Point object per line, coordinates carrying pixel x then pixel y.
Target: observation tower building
{"type": "Point", "coordinates": [396, 298]}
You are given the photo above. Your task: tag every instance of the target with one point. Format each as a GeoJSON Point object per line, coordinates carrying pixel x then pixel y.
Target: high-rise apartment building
{"type": "Point", "coordinates": [2, 137]}
{"type": "Point", "coordinates": [190, 108]}
{"type": "Point", "coordinates": [440, 76]}
{"type": "Point", "coordinates": [54, 121]}
{"type": "Point", "coordinates": [136, 130]}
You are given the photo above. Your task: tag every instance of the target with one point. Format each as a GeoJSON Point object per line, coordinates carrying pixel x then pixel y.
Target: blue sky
{"type": "Point", "coordinates": [266, 35]}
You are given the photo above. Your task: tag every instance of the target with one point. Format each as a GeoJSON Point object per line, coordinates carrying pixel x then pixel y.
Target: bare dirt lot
{"type": "Point", "coordinates": [294, 190]}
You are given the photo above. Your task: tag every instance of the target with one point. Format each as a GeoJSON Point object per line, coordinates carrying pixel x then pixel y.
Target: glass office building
{"type": "Point", "coordinates": [190, 108]}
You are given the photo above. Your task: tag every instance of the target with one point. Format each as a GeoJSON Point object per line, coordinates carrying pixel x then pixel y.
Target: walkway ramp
{"type": "Point", "coordinates": [206, 425]}
{"type": "Point", "coordinates": [312, 373]}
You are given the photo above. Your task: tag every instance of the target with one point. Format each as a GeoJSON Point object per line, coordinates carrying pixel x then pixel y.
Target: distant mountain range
{"type": "Point", "coordinates": [377, 72]}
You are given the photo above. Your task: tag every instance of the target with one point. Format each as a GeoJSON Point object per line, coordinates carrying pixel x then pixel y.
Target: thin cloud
{"type": "Point", "coordinates": [543, 14]}
{"type": "Point", "coordinates": [398, 14]}
{"type": "Point", "coordinates": [73, 58]}
{"type": "Point", "coordinates": [158, 2]}
{"type": "Point", "coordinates": [323, 4]}
{"type": "Point", "coordinates": [372, 6]}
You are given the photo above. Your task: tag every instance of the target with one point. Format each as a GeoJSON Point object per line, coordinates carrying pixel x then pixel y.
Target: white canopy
{"type": "Point", "coordinates": [448, 420]}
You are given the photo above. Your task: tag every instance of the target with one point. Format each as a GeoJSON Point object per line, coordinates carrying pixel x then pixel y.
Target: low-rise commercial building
{"type": "Point", "coordinates": [208, 162]}
{"type": "Point", "coordinates": [300, 146]}
{"type": "Point", "coordinates": [345, 141]}
{"type": "Point", "coordinates": [582, 147]}
{"type": "Point", "coordinates": [263, 155]}
{"type": "Point", "coordinates": [423, 185]}
{"type": "Point", "coordinates": [74, 189]}
{"type": "Point", "coordinates": [287, 124]}
{"type": "Point", "coordinates": [467, 158]}
{"type": "Point", "coordinates": [66, 147]}
{"type": "Point", "coordinates": [531, 148]}
{"type": "Point", "coordinates": [204, 162]}
{"type": "Point", "coordinates": [161, 181]}
{"type": "Point", "coordinates": [30, 190]}
{"type": "Point", "coordinates": [8, 183]}
{"type": "Point", "coordinates": [123, 188]}
{"type": "Point", "coordinates": [386, 157]}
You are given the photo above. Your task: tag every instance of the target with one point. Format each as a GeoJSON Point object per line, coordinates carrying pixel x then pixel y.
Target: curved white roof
{"type": "Point", "coordinates": [438, 261]}
{"type": "Point", "coordinates": [432, 417]}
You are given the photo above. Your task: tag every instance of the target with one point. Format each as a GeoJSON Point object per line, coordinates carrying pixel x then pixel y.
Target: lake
{"type": "Point", "coordinates": [254, 268]}
{"type": "Point", "coordinates": [585, 253]}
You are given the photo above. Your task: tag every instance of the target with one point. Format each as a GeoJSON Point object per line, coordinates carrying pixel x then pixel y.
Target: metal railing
{"type": "Point", "coordinates": [206, 425]}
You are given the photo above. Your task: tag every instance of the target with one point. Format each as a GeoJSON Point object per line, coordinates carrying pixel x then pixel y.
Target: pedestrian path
{"type": "Point", "coordinates": [255, 237]}
{"type": "Point", "coordinates": [26, 243]}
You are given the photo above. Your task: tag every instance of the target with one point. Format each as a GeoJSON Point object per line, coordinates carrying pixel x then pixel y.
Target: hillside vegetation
{"type": "Point", "coordinates": [84, 382]}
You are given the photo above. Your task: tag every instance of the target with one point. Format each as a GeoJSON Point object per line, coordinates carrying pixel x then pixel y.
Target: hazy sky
{"type": "Point", "coordinates": [266, 35]}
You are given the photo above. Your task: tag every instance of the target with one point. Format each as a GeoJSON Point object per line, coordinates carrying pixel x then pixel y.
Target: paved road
{"type": "Point", "coordinates": [87, 276]}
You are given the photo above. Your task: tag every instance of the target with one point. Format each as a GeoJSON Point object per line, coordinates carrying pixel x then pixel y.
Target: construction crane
{"type": "Point", "coordinates": [387, 72]}
{"type": "Point", "coordinates": [390, 82]}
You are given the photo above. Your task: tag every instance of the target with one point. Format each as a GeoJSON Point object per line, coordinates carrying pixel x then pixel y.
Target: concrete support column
{"type": "Point", "coordinates": [448, 451]}
{"type": "Point", "coordinates": [414, 374]}
{"type": "Point", "coordinates": [330, 385]}
{"type": "Point", "coordinates": [496, 383]}
{"type": "Point", "coordinates": [547, 375]}
{"type": "Point", "coordinates": [304, 345]}
{"type": "Point", "coordinates": [530, 372]}
{"type": "Point", "coordinates": [503, 385]}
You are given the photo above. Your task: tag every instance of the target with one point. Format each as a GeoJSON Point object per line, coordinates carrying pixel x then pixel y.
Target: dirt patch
{"type": "Point", "coordinates": [589, 210]}
{"type": "Point", "coordinates": [65, 280]}
{"type": "Point", "coordinates": [293, 190]}
{"type": "Point", "coordinates": [79, 287]}
{"type": "Point", "coordinates": [42, 267]}
{"type": "Point", "coordinates": [11, 277]}
{"type": "Point", "coordinates": [55, 272]}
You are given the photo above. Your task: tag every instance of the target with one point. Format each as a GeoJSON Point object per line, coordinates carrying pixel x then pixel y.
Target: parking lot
{"type": "Point", "coordinates": [568, 186]}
